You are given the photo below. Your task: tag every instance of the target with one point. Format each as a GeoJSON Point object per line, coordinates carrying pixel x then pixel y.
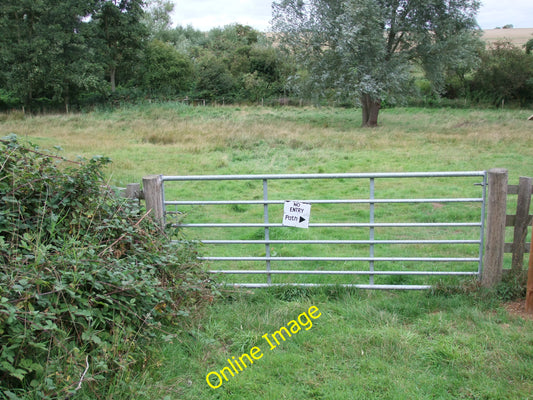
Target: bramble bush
{"type": "Point", "coordinates": [87, 279]}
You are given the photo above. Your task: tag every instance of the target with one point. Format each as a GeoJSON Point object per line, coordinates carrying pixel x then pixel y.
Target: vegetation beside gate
{"type": "Point", "coordinates": [86, 278]}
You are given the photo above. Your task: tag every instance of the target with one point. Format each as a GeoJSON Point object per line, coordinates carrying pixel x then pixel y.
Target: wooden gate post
{"type": "Point", "coordinates": [529, 293]}
{"type": "Point", "coordinates": [153, 197]}
{"type": "Point", "coordinates": [133, 191]}
{"type": "Point", "coordinates": [521, 224]}
{"type": "Point", "coordinates": [495, 238]}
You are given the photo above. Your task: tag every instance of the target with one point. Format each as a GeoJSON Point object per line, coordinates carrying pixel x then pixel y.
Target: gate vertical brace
{"type": "Point", "coordinates": [371, 263]}
{"type": "Point", "coordinates": [267, 233]}
{"type": "Point", "coordinates": [482, 229]}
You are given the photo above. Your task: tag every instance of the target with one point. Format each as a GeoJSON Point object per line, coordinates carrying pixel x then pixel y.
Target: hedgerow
{"type": "Point", "coordinates": [87, 279]}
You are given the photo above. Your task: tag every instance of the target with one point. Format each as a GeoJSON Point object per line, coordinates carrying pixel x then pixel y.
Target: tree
{"type": "Point", "coordinates": [120, 33]}
{"type": "Point", "coordinates": [44, 52]}
{"type": "Point", "coordinates": [157, 16]}
{"type": "Point", "coordinates": [165, 70]}
{"type": "Point", "coordinates": [236, 63]}
{"type": "Point", "coordinates": [505, 74]}
{"type": "Point", "coordinates": [529, 46]}
{"type": "Point", "coordinates": [366, 48]}
{"type": "Point", "coordinates": [213, 79]}
{"type": "Point", "coordinates": [185, 40]}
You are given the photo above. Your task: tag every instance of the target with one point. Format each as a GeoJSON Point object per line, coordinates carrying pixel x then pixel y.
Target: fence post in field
{"type": "Point", "coordinates": [529, 293]}
{"type": "Point", "coordinates": [133, 191]}
{"type": "Point", "coordinates": [153, 197]}
{"type": "Point", "coordinates": [521, 224]}
{"type": "Point", "coordinates": [495, 237]}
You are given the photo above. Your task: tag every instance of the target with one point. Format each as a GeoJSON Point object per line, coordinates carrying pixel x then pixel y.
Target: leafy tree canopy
{"type": "Point", "coordinates": [365, 48]}
{"type": "Point", "coordinates": [157, 16]}
{"type": "Point", "coordinates": [505, 74]}
{"type": "Point", "coordinates": [165, 70]}
{"type": "Point", "coordinates": [120, 34]}
{"type": "Point", "coordinates": [44, 50]}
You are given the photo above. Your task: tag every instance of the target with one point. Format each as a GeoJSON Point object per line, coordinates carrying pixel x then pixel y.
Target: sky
{"type": "Point", "coordinates": [207, 14]}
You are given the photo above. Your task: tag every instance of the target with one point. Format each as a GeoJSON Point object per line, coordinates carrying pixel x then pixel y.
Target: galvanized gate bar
{"type": "Point", "coordinates": [267, 232]}
{"type": "Point", "coordinates": [413, 259]}
{"type": "Point", "coordinates": [357, 286]}
{"type": "Point", "coordinates": [482, 227]}
{"type": "Point", "coordinates": [372, 204]}
{"type": "Point", "coordinates": [340, 241]}
{"type": "Point", "coordinates": [353, 201]}
{"type": "Point", "coordinates": [325, 176]}
{"type": "Point", "coordinates": [268, 259]}
{"type": "Point", "coordinates": [336, 225]}
{"type": "Point", "coordinates": [318, 272]}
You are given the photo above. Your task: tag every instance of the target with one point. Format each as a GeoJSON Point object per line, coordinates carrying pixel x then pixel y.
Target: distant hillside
{"type": "Point", "coordinates": [518, 36]}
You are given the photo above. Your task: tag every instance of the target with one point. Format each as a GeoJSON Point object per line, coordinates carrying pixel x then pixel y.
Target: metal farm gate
{"type": "Point", "coordinates": [367, 230]}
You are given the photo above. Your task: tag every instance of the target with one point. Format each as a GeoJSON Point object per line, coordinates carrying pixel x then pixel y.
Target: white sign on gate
{"type": "Point", "coordinates": [296, 214]}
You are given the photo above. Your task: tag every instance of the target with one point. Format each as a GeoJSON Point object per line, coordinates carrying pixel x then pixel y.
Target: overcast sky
{"type": "Point", "coordinates": [207, 14]}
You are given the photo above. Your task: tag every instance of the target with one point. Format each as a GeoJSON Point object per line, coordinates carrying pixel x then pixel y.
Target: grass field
{"type": "Point", "coordinates": [179, 140]}
{"type": "Point", "coordinates": [365, 345]}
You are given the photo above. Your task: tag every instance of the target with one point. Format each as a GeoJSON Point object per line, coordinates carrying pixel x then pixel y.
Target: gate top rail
{"type": "Point", "coordinates": [323, 176]}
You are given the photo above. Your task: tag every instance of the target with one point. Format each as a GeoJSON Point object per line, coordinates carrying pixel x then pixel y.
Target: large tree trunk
{"type": "Point", "coordinates": [370, 111]}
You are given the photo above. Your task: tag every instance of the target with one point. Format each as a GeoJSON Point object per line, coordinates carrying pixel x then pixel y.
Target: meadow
{"type": "Point", "coordinates": [175, 139]}
{"type": "Point", "coordinates": [450, 343]}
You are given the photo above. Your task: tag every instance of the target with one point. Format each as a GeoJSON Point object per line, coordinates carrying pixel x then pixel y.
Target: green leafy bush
{"type": "Point", "coordinates": [504, 75]}
{"type": "Point", "coordinates": [8, 100]}
{"type": "Point", "coordinates": [86, 278]}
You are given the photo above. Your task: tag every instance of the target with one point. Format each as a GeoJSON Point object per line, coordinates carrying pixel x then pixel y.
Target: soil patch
{"type": "Point", "coordinates": [518, 308]}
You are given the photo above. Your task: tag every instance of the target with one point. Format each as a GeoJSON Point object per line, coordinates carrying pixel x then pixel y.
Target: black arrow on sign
{"type": "Point", "coordinates": [302, 219]}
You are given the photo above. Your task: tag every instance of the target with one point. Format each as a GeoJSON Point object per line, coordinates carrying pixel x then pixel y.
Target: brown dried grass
{"type": "Point", "coordinates": [517, 36]}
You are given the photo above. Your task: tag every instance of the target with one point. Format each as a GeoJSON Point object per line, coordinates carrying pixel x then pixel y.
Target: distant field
{"type": "Point", "coordinates": [518, 36]}
{"type": "Point", "coordinates": [174, 139]}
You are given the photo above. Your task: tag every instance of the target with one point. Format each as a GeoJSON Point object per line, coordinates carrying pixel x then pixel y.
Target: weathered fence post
{"type": "Point", "coordinates": [529, 292]}
{"type": "Point", "coordinates": [521, 224]}
{"type": "Point", "coordinates": [133, 191]}
{"type": "Point", "coordinates": [495, 237]}
{"type": "Point", "coordinates": [153, 197]}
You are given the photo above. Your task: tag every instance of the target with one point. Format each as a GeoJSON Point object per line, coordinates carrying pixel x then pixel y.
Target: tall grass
{"type": "Point", "coordinates": [178, 139]}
